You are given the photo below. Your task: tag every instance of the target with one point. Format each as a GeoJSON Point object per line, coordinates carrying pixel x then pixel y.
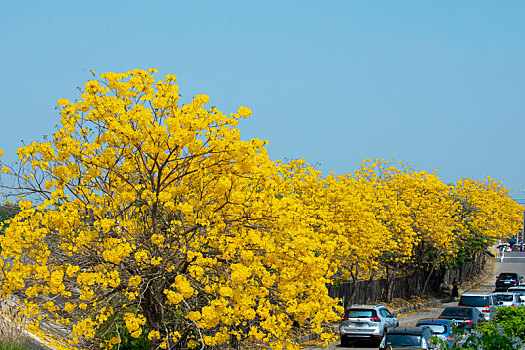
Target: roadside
{"type": "Point", "coordinates": [431, 302]}
{"type": "Point", "coordinates": [405, 308]}
{"type": "Point", "coordinates": [31, 341]}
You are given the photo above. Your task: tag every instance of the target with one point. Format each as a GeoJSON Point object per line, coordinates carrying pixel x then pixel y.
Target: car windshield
{"type": "Point", "coordinates": [403, 340]}
{"type": "Point", "coordinates": [436, 328]}
{"type": "Point", "coordinates": [457, 311]}
{"type": "Point", "coordinates": [357, 313]}
{"type": "Point", "coordinates": [505, 297]}
{"type": "Point", "coordinates": [473, 300]}
{"type": "Point", "coordinates": [507, 276]}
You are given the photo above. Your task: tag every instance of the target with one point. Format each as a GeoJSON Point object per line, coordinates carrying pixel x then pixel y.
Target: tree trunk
{"type": "Point", "coordinates": [368, 284]}
{"type": "Point", "coordinates": [389, 289]}
{"type": "Point", "coordinates": [351, 299]}
{"type": "Point", "coordinates": [153, 315]}
{"type": "Point", "coordinates": [428, 278]}
{"type": "Point", "coordinates": [390, 275]}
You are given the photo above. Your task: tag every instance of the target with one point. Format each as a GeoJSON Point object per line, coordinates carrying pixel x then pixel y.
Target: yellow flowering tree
{"type": "Point", "coordinates": [340, 216]}
{"type": "Point", "coordinates": [155, 216]}
{"type": "Point", "coordinates": [352, 223]}
{"type": "Point", "coordinates": [485, 212]}
{"type": "Point", "coordinates": [417, 212]}
{"type": "Point", "coordinates": [432, 210]}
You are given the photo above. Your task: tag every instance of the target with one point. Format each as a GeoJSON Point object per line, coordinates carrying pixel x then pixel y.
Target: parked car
{"type": "Point", "coordinates": [463, 316]}
{"type": "Point", "coordinates": [366, 322]}
{"type": "Point", "coordinates": [505, 247]}
{"type": "Point", "coordinates": [442, 328]}
{"type": "Point", "coordinates": [407, 338]}
{"type": "Point", "coordinates": [486, 303]}
{"type": "Point", "coordinates": [509, 299]}
{"type": "Point", "coordinates": [505, 280]}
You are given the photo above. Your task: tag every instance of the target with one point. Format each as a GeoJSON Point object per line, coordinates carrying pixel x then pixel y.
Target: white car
{"type": "Point", "coordinates": [509, 299]}
{"type": "Point", "coordinates": [518, 290]}
{"type": "Point", "coordinates": [505, 247]}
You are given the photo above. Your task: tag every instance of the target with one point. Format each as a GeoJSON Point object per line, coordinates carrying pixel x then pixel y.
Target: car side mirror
{"type": "Point", "coordinates": [394, 315]}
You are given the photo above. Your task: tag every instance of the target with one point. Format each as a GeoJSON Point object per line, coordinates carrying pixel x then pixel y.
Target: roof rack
{"type": "Point", "coordinates": [367, 305]}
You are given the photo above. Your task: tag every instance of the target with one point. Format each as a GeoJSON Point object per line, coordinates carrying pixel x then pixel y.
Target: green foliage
{"type": "Point", "coordinates": [510, 319]}
{"type": "Point", "coordinates": [115, 327]}
{"type": "Point", "coordinates": [506, 332]}
{"type": "Point", "coordinates": [130, 343]}
{"type": "Point", "coordinates": [469, 245]}
{"type": "Point", "coordinates": [7, 212]}
{"type": "Point", "coordinates": [12, 345]}
{"type": "Point", "coordinates": [496, 339]}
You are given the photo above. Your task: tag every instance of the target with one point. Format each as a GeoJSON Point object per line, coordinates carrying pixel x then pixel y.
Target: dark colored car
{"type": "Point", "coordinates": [407, 338]}
{"type": "Point", "coordinates": [505, 280]}
{"type": "Point", "coordinates": [464, 316]}
{"type": "Point", "coordinates": [442, 328]}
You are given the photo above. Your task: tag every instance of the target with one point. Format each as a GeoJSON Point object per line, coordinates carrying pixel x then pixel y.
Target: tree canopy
{"type": "Point", "coordinates": [145, 214]}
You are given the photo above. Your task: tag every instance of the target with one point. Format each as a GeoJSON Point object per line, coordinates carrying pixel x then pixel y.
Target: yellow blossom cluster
{"type": "Point", "coordinates": [134, 323]}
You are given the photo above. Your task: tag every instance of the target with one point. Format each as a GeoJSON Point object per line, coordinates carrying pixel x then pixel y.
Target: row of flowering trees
{"type": "Point", "coordinates": [145, 217]}
{"type": "Point", "coordinates": [387, 219]}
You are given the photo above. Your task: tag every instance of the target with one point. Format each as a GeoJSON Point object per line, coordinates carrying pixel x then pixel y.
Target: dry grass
{"type": "Point", "coordinates": [12, 325]}
{"type": "Point", "coordinates": [415, 300]}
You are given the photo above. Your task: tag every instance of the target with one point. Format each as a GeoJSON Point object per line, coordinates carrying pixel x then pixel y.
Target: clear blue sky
{"type": "Point", "coordinates": [439, 84]}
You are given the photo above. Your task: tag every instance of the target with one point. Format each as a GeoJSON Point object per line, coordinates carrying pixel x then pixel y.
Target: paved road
{"type": "Point", "coordinates": [512, 262]}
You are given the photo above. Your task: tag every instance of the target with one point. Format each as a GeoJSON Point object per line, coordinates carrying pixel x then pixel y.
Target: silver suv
{"type": "Point", "coordinates": [486, 303]}
{"type": "Point", "coordinates": [366, 322]}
